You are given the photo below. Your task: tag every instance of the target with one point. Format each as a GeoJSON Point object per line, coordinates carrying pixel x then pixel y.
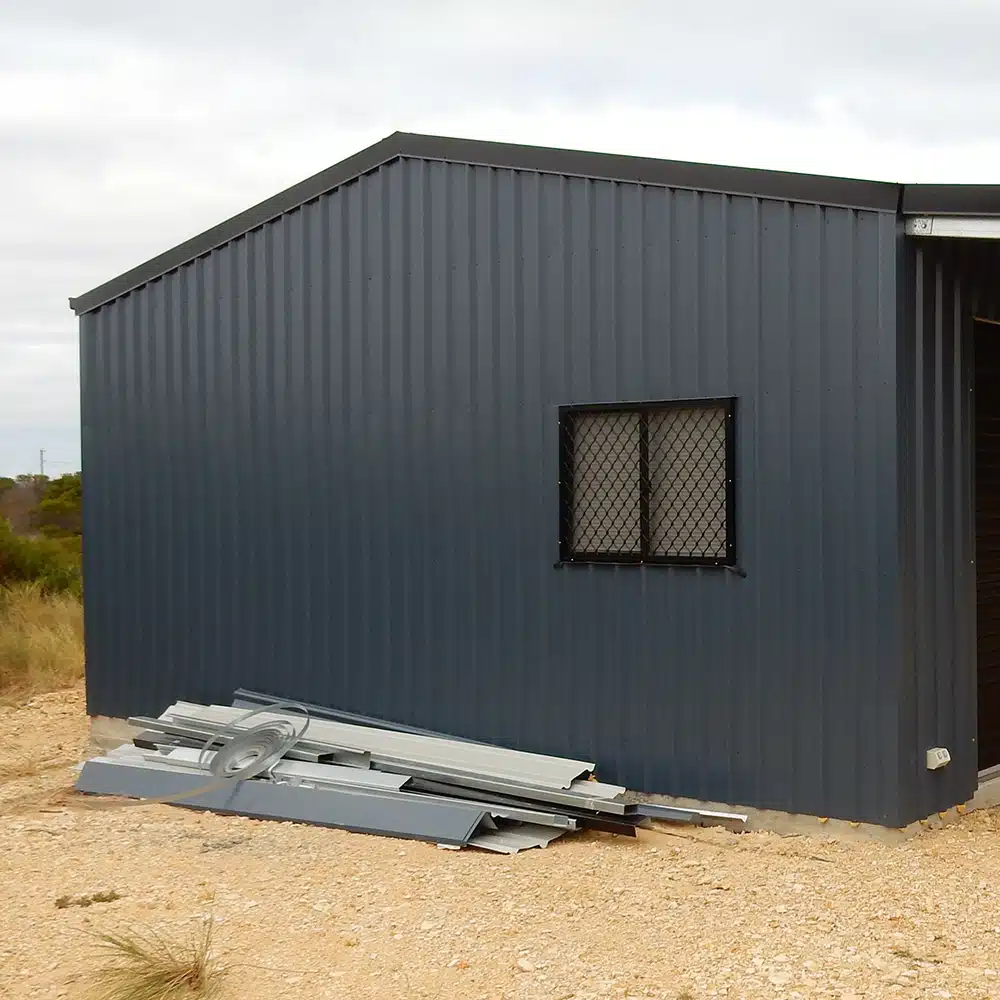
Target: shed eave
{"type": "Point", "coordinates": [970, 200]}
{"type": "Point", "coordinates": [954, 226]}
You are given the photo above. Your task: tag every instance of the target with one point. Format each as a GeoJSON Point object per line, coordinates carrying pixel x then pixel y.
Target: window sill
{"type": "Point", "coordinates": [598, 563]}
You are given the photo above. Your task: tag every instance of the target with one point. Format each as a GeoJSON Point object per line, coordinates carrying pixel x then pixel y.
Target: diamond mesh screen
{"type": "Point", "coordinates": [647, 484]}
{"type": "Point", "coordinates": [606, 483]}
{"type": "Point", "coordinates": [687, 482]}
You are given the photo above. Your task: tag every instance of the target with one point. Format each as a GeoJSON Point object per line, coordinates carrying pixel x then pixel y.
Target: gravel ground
{"type": "Point", "coordinates": [303, 912]}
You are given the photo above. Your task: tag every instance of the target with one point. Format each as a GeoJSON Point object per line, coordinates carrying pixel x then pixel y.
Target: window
{"type": "Point", "coordinates": [648, 483]}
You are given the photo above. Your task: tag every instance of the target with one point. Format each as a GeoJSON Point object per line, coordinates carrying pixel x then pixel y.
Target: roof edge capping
{"type": "Point", "coordinates": [711, 178]}
{"type": "Point", "coordinates": [951, 199]}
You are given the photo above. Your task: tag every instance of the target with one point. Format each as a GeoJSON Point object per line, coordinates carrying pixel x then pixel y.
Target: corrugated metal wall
{"type": "Point", "coordinates": [944, 284]}
{"type": "Point", "coordinates": [322, 461]}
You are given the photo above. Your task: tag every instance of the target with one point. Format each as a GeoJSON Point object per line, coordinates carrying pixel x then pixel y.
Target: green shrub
{"type": "Point", "coordinates": [53, 564]}
{"type": "Point", "coordinates": [59, 512]}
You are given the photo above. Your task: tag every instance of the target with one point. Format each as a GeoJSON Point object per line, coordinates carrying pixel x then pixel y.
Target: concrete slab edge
{"type": "Point", "coordinates": [787, 824]}
{"type": "Point", "coordinates": [987, 794]}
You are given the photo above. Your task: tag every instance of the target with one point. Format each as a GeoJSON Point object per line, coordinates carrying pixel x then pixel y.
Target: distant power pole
{"type": "Point", "coordinates": [41, 462]}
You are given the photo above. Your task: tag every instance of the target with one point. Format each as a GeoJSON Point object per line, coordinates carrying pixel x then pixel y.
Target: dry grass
{"type": "Point", "coordinates": [144, 965]}
{"type": "Point", "coordinates": [41, 641]}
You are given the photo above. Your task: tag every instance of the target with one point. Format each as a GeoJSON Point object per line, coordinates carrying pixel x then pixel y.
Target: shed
{"type": "Point", "coordinates": [690, 470]}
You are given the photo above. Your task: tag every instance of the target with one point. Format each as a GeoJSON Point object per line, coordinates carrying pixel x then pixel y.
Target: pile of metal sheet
{"type": "Point", "coordinates": [366, 775]}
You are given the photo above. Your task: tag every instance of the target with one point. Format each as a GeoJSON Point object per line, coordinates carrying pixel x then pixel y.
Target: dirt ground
{"type": "Point", "coordinates": [303, 912]}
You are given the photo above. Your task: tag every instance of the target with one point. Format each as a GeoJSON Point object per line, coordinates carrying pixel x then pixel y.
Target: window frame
{"type": "Point", "coordinates": [567, 556]}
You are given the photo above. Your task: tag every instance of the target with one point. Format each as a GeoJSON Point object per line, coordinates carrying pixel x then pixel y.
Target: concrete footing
{"type": "Point", "coordinates": [988, 794]}
{"type": "Point", "coordinates": [799, 825]}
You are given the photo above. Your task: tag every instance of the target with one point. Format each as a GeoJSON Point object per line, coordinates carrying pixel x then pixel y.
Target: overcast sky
{"type": "Point", "coordinates": [126, 127]}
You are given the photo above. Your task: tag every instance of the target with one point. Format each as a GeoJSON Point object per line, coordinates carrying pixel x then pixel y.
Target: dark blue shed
{"type": "Point", "coordinates": [664, 465]}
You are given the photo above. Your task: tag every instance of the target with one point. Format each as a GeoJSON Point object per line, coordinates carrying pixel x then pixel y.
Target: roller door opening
{"type": "Point", "coordinates": [987, 436]}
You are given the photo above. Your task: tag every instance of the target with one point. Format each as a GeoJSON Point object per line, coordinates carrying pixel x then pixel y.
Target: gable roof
{"type": "Point", "coordinates": [832, 191]}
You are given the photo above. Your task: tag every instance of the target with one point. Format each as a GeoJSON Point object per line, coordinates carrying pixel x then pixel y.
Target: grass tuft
{"type": "Point", "coordinates": [144, 965]}
{"type": "Point", "coordinates": [41, 641]}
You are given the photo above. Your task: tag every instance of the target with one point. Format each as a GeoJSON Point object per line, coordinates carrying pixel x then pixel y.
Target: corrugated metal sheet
{"type": "Point", "coordinates": [362, 810]}
{"type": "Point", "coordinates": [255, 699]}
{"type": "Point", "coordinates": [432, 751]}
{"type": "Point", "coordinates": [944, 284]}
{"type": "Point", "coordinates": [322, 461]}
{"type": "Point", "coordinates": [514, 839]}
{"type": "Point", "coordinates": [409, 754]}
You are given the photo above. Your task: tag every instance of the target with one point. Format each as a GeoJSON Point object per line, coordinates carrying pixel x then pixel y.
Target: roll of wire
{"type": "Point", "coordinates": [250, 752]}
{"type": "Point", "coordinates": [244, 753]}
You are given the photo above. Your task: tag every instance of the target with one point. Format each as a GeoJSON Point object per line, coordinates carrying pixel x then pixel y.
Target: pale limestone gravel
{"type": "Point", "coordinates": [310, 913]}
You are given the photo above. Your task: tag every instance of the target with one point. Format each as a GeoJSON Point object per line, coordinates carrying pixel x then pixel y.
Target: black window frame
{"type": "Point", "coordinates": [644, 557]}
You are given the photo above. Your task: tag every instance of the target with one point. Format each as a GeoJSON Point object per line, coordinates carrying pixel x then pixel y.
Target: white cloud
{"type": "Point", "coordinates": [124, 131]}
{"type": "Point", "coordinates": [40, 383]}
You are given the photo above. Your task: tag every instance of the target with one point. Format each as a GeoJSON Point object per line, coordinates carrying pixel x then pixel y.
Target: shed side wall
{"type": "Point", "coordinates": [944, 284]}
{"type": "Point", "coordinates": [322, 461]}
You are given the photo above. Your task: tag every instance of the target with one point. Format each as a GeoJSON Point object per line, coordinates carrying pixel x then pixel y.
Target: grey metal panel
{"type": "Point", "coordinates": [304, 749]}
{"type": "Point", "coordinates": [358, 810]}
{"type": "Point", "coordinates": [567, 162]}
{"type": "Point", "coordinates": [325, 775]}
{"type": "Point", "coordinates": [511, 776]}
{"type": "Point", "coordinates": [510, 840]}
{"type": "Point", "coordinates": [597, 789]}
{"type": "Point", "coordinates": [333, 774]}
{"type": "Point", "coordinates": [591, 814]}
{"type": "Point", "coordinates": [517, 814]}
{"type": "Point", "coordinates": [432, 751]}
{"type": "Point", "coordinates": [655, 810]}
{"type": "Point", "coordinates": [157, 740]}
{"type": "Point", "coordinates": [255, 699]}
{"type": "Point", "coordinates": [572, 800]}
{"type": "Point", "coordinates": [339, 480]}
{"type": "Point", "coordinates": [944, 284]}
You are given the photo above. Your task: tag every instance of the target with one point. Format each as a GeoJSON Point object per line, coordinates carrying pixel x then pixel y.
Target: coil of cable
{"type": "Point", "coordinates": [247, 753]}
{"type": "Point", "coordinates": [244, 754]}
